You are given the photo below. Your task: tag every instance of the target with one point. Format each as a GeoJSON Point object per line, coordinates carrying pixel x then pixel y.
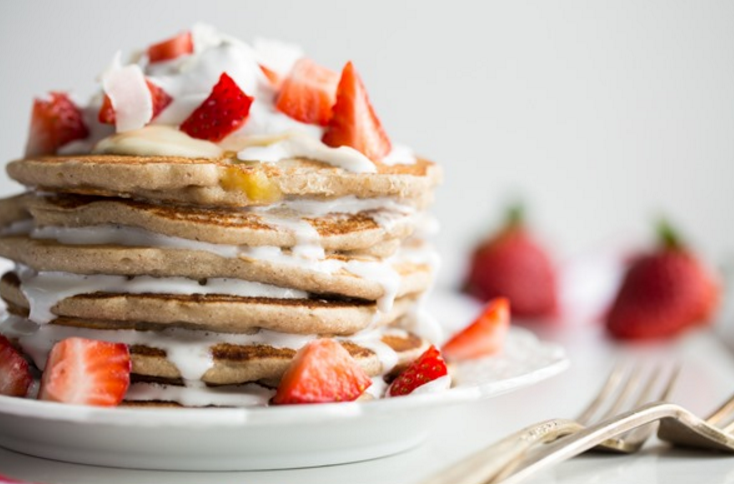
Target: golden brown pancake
{"type": "Point", "coordinates": [243, 363]}
{"type": "Point", "coordinates": [50, 255]}
{"type": "Point", "coordinates": [221, 182]}
{"type": "Point", "coordinates": [220, 313]}
{"type": "Point", "coordinates": [14, 209]}
{"type": "Point", "coordinates": [337, 231]}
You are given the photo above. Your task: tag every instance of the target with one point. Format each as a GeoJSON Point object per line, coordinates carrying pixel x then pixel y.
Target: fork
{"type": "Point", "coordinates": [677, 425]}
{"type": "Point", "coordinates": [503, 456]}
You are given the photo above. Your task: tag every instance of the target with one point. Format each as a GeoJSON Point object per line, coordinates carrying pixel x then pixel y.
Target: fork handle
{"type": "Point", "coordinates": [490, 461]}
{"type": "Point", "coordinates": [583, 440]}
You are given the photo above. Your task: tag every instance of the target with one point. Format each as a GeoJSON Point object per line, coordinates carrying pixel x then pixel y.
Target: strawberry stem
{"type": "Point", "coordinates": [668, 237]}
{"type": "Point", "coordinates": [515, 215]}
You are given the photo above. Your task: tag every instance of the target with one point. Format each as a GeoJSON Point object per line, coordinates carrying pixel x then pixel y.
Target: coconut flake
{"type": "Point", "coordinates": [130, 96]}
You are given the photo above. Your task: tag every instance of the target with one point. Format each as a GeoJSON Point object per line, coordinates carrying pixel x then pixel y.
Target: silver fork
{"type": "Point", "coordinates": [677, 425]}
{"type": "Point", "coordinates": [502, 457]}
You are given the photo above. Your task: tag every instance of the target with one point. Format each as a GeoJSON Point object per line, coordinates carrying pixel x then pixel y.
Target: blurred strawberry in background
{"type": "Point", "coordinates": [663, 292]}
{"type": "Point", "coordinates": [514, 265]}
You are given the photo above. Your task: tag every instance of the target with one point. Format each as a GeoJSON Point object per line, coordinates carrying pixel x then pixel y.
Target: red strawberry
{"type": "Point", "coordinates": [161, 100]}
{"type": "Point", "coordinates": [322, 371]}
{"type": "Point", "coordinates": [428, 367]}
{"type": "Point", "coordinates": [485, 336]}
{"type": "Point", "coordinates": [272, 76]}
{"type": "Point", "coordinates": [663, 292]}
{"type": "Point", "coordinates": [177, 46]}
{"type": "Point", "coordinates": [353, 122]}
{"type": "Point", "coordinates": [512, 264]}
{"type": "Point", "coordinates": [15, 376]}
{"type": "Point", "coordinates": [225, 110]}
{"type": "Point", "coordinates": [308, 93]}
{"type": "Point", "coordinates": [54, 123]}
{"type": "Point", "coordinates": [86, 372]}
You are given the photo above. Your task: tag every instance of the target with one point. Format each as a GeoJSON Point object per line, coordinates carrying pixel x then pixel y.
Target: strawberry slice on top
{"type": "Point", "coordinates": [55, 121]}
{"type": "Point", "coordinates": [15, 375]}
{"type": "Point", "coordinates": [225, 110]}
{"type": "Point", "coordinates": [428, 367]}
{"type": "Point", "coordinates": [321, 372]}
{"type": "Point", "coordinates": [308, 93]}
{"type": "Point", "coordinates": [86, 372]}
{"type": "Point", "coordinates": [485, 336]}
{"type": "Point", "coordinates": [160, 99]}
{"type": "Point", "coordinates": [274, 78]}
{"type": "Point", "coordinates": [172, 48]}
{"type": "Point", "coordinates": [354, 122]}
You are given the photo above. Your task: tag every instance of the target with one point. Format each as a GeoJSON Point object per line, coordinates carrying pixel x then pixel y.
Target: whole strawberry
{"type": "Point", "coordinates": [663, 292]}
{"type": "Point", "coordinates": [512, 264]}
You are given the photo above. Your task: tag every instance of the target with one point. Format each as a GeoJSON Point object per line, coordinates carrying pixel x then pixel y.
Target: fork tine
{"type": "Point", "coordinates": [639, 435]}
{"type": "Point", "coordinates": [611, 383]}
{"type": "Point", "coordinates": [672, 380]}
{"type": "Point", "coordinates": [722, 412]}
{"type": "Point", "coordinates": [631, 383]}
{"type": "Point", "coordinates": [648, 386]}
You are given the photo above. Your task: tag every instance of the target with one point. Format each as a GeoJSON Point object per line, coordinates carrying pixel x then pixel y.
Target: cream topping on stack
{"type": "Point", "coordinates": [214, 262]}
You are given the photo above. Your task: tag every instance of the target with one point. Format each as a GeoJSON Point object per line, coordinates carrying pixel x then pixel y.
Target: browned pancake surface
{"type": "Point", "coordinates": [219, 182]}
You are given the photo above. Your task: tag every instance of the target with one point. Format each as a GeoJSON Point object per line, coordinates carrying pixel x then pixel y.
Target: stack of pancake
{"type": "Point", "coordinates": [215, 272]}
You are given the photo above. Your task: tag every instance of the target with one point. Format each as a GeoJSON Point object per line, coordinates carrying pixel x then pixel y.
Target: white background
{"type": "Point", "coordinates": [600, 114]}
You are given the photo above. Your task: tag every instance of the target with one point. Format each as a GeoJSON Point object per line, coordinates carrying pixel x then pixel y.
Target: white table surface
{"type": "Point", "coordinates": [707, 379]}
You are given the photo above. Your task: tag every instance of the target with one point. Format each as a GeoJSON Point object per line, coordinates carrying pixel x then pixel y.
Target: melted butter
{"type": "Point", "coordinates": [157, 141]}
{"type": "Point", "coordinates": [255, 184]}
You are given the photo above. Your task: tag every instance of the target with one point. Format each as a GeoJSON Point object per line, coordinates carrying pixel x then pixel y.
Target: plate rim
{"type": "Point", "coordinates": [284, 415]}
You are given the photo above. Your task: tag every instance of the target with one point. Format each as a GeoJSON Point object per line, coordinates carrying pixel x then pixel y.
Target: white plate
{"type": "Point", "coordinates": [274, 437]}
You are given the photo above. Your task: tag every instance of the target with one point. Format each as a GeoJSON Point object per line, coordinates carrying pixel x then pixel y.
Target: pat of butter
{"type": "Point", "coordinates": [255, 184]}
{"type": "Point", "coordinates": [157, 141]}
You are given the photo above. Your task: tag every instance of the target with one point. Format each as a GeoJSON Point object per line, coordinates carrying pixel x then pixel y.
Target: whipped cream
{"type": "Point", "coordinates": [307, 257]}
{"type": "Point", "coordinates": [297, 145]}
{"type": "Point", "coordinates": [44, 290]}
{"type": "Point", "coordinates": [19, 227]}
{"type": "Point", "coordinates": [440, 384]}
{"type": "Point", "coordinates": [200, 395]}
{"type": "Point", "coordinates": [189, 350]}
{"type": "Point", "coordinates": [188, 80]}
{"type": "Point", "coordinates": [348, 204]}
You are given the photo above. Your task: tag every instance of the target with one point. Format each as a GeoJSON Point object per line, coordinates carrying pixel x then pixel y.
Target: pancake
{"type": "Point", "coordinates": [13, 210]}
{"type": "Point", "coordinates": [221, 182]}
{"type": "Point", "coordinates": [220, 313]}
{"type": "Point", "coordinates": [337, 231]}
{"type": "Point", "coordinates": [325, 277]}
{"type": "Point", "coordinates": [224, 359]}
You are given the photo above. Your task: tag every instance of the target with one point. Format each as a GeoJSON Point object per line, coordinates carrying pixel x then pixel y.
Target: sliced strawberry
{"type": "Point", "coordinates": [353, 122]}
{"type": "Point", "coordinates": [308, 93]}
{"type": "Point", "coordinates": [177, 46]}
{"type": "Point", "coordinates": [15, 376]}
{"type": "Point", "coordinates": [483, 337]}
{"type": "Point", "coordinates": [225, 110]}
{"type": "Point", "coordinates": [54, 123]}
{"type": "Point", "coordinates": [321, 372]}
{"type": "Point", "coordinates": [428, 367]}
{"type": "Point", "coordinates": [272, 76]}
{"type": "Point", "coordinates": [86, 372]}
{"type": "Point", "coordinates": [160, 98]}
